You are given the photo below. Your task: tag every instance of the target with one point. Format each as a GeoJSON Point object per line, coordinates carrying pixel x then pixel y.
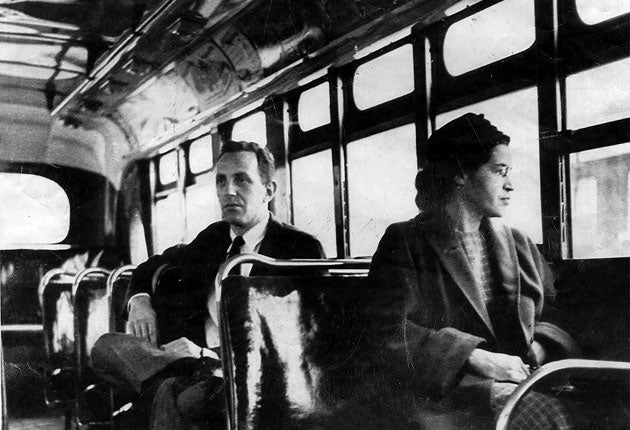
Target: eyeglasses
{"type": "Point", "coordinates": [501, 169]}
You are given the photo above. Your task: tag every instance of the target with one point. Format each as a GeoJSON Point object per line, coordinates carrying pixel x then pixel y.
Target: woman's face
{"type": "Point", "coordinates": [487, 189]}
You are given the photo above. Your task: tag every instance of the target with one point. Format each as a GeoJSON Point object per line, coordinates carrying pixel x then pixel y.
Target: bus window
{"type": "Point", "coordinates": [376, 81]}
{"type": "Point", "coordinates": [313, 200]}
{"type": "Point", "coordinates": [596, 11]}
{"type": "Point", "coordinates": [252, 128]}
{"type": "Point", "coordinates": [598, 95]}
{"type": "Point", "coordinates": [200, 155]}
{"type": "Point", "coordinates": [201, 208]}
{"type": "Point", "coordinates": [314, 107]}
{"type": "Point", "coordinates": [516, 114]}
{"type": "Point", "coordinates": [599, 205]}
{"type": "Point", "coordinates": [167, 226]}
{"type": "Point", "coordinates": [494, 33]}
{"type": "Point", "coordinates": [38, 213]}
{"type": "Point", "coordinates": [381, 173]}
{"type": "Point", "coordinates": [167, 168]}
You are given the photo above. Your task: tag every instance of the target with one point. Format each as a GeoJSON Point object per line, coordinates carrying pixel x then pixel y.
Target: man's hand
{"type": "Point", "coordinates": [500, 367]}
{"type": "Point", "coordinates": [141, 322]}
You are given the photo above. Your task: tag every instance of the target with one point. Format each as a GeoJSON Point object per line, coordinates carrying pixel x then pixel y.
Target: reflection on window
{"type": "Point", "coordinates": [200, 154]}
{"type": "Point", "coordinates": [202, 209]}
{"type": "Point", "coordinates": [314, 107]}
{"type": "Point", "coordinates": [376, 81]}
{"type": "Point", "coordinates": [598, 95]}
{"type": "Point", "coordinates": [252, 128]}
{"type": "Point", "coordinates": [381, 173]}
{"type": "Point", "coordinates": [516, 114]}
{"type": "Point", "coordinates": [494, 33]}
{"type": "Point", "coordinates": [34, 210]}
{"type": "Point", "coordinates": [600, 211]}
{"type": "Point", "coordinates": [595, 11]}
{"type": "Point", "coordinates": [313, 200]}
{"type": "Point", "coordinates": [168, 168]}
{"type": "Point", "coordinates": [168, 226]}
{"type": "Point", "coordinates": [137, 239]}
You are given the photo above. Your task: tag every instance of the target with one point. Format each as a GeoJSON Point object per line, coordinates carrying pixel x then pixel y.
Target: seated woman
{"type": "Point", "coordinates": [473, 288]}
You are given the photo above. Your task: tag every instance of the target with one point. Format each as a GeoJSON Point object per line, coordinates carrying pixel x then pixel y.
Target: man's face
{"type": "Point", "coordinates": [488, 188]}
{"type": "Point", "coordinates": [242, 195]}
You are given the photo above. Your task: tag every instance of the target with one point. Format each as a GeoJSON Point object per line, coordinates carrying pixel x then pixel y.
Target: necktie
{"type": "Point", "coordinates": [235, 249]}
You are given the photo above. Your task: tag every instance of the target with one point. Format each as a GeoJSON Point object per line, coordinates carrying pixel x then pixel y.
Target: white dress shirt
{"type": "Point", "coordinates": [252, 238]}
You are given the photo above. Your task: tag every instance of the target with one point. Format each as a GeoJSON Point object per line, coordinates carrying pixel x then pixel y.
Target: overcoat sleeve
{"type": "Point", "coordinates": [430, 355]}
{"type": "Point", "coordinates": [549, 319]}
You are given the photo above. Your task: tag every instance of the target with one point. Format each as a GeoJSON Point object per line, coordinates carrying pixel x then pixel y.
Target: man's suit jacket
{"type": "Point", "coordinates": [444, 318]}
{"type": "Point", "coordinates": [184, 312]}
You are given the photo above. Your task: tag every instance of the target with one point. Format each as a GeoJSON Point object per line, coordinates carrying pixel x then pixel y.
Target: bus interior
{"type": "Point", "coordinates": [112, 112]}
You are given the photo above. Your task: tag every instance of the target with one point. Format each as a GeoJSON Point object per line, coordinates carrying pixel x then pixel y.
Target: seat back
{"type": "Point", "coordinates": [299, 352]}
{"type": "Point", "coordinates": [117, 285]}
{"type": "Point", "coordinates": [91, 321]}
{"type": "Point", "coordinates": [598, 388]}
{"type": "Point", "coordinates": [57, 309]}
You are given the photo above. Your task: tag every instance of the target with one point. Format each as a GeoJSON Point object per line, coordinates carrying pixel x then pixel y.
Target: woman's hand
{"type": "Point", "coordinates": [500, 367]}
{"type": "Point", "coordinates": [182, 347]}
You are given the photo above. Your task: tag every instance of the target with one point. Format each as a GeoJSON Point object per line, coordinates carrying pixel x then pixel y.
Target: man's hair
{"type": "Point", "coordinates": [266, 162]}
{"type": "Point", "coordinates": [461, 146]}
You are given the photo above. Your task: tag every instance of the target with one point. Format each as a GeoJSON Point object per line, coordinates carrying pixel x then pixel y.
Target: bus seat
{"type": "Point", "coordinates": [599, 389]}
{"type": "Point", "coordinates": [302, 356]}
{"type": "Point", "coordinates": [117, 285]}
{"type": "Point", "coordinates": [57, 309]}
{"type": "Point", "coordinates": [167, 286]}
{"type": "Point", "coordinates": [91, 320]}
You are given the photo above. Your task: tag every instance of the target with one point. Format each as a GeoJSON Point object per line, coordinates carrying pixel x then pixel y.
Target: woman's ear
{"type": "Point", "coordinates": [459, 180]}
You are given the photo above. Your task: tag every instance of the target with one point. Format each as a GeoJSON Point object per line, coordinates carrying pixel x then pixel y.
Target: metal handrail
{"type": "Point", "coordinates": [548, 370]}
{"type": "Point", "coordinates": [223, 273]}
{"type": "Point", "coordinates": [115, 275]}
{"type": "Point", "coordinates": [43, 283]}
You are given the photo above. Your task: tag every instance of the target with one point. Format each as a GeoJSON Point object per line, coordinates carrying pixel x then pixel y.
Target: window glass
{"type": "Point", "coordinates": [381, 174]}
{"type": "Point", "coordinates": [492, 34]}
{"type": "Point", "coordinates": [252, 128]}
{"type": "Point", "coordinates": [595, 11]}
{"type": "Point", "coordinates": [516, 114]}
{"type": "Point", "coordinates": [598, 95]}
{"type": "Point", "coordinates": [34, 210]}
{"type": "Point", "coordinates": [202, 209]}
{"type": "Point", "coordinates": [599, 202]}
{"type": "Point", "coordinates": [200, 154]}
{"type": "Point", "coordinates": [168, 168]}
{"type": "Point", "coordinates": [314, 107]}
{"type": "Point", "coordinates": [313, 199]}
{"type": "Point", "coordinates": [376, 81]}
{"type": "Point", "coordinates": [168, 226]}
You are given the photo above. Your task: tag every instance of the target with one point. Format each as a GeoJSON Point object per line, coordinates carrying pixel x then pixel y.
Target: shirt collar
{"type": "Point", "coordinates": [254, 235]}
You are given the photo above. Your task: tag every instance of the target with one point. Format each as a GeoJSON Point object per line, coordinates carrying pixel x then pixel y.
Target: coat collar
{"type": "Point", "coordinates": [453, 257]}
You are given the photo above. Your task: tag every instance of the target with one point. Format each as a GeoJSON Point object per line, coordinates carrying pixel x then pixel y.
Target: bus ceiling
{"type": "Point", "coordinates": [118, 76]}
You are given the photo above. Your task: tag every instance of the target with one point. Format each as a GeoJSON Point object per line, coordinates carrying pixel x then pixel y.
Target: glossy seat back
{"type": "Point", "coordinates": [91, 321]}
{"type": "Point", "coordinates": [117, 285]}
{"type": "Point", "coordinates": [55, 298]}
{"type": "Point", "coordinates": [302, 355]}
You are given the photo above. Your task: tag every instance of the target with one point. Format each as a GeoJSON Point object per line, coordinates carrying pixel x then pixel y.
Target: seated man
{"type": "Point", "coordinates": [154, 347]}
{"type": "Point", "coordinates": [472, 289]}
